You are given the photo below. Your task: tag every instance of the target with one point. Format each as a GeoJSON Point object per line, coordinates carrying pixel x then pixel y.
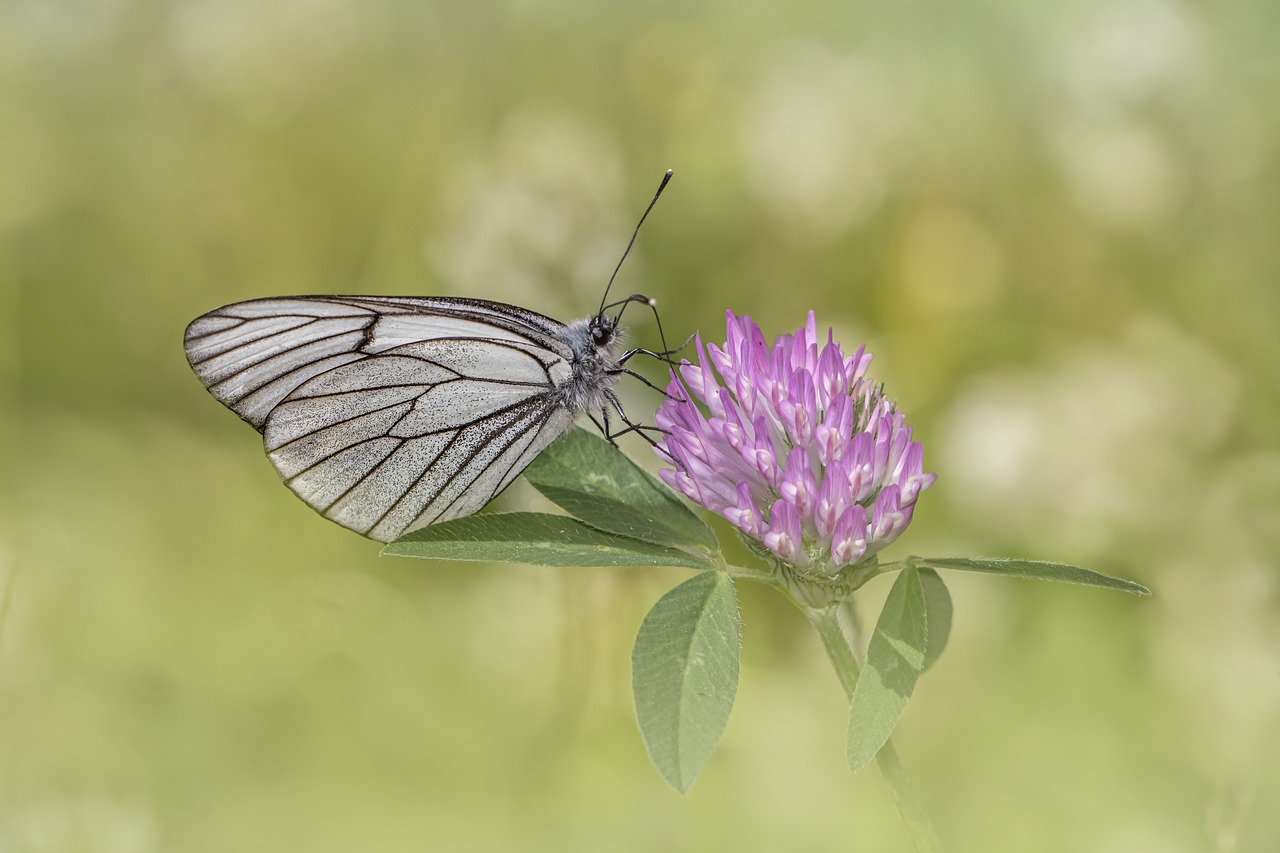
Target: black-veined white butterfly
{"type": "Point", "coordinates": [386, 414]}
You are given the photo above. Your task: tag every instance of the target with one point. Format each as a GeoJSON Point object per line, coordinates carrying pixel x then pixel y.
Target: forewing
{"type": "Point", "coordinates": [419, 433]}
{"type": "Point", "coordinates": [252, 355]}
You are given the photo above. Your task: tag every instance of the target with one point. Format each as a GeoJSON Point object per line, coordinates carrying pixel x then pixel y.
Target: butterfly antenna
{"type": "Point", "coordinates": [662, 186]}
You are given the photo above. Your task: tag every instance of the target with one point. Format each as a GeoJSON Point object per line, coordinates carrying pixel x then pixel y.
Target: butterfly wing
{"type": "Point", "coordinates": [386, 415]}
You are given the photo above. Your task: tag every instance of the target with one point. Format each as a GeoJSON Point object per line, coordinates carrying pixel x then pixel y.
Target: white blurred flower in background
{"type": "Point", "coordinates": [1113, 65]}
{"type": "Point", "coordinates": [1126, 52]}
{"type": "Point", "coordinates": [820, 138]}
{"type": "Point", "coordinates": [1120, 173]}
{"type": "Point", "coordinates": [540, 219]}
{"type": "Point", "coordinates": [1074, 454]}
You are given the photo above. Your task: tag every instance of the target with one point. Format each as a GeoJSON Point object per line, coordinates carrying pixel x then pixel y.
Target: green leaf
{"type": "Point", "coordinates": [536, 538]}
{"type": "Point", "coordinates": [684, 673]}
{"type": "Point", "coordinates": [937, 609]}
{"type": "Point", "coordinates": [895, 658]}
{"type": "Point", "coordinates": [1036, 569]}
{"type": "Point", "coordinates": [592, 480]}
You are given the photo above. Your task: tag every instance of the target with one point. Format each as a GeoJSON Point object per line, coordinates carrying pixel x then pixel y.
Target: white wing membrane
{"type": "Point", "coordinates": [297, 456]}
{"type": "Point", "coordinates": [299, 415]}
{"type": "Point", "coordinates": [398, 330]}
{"type": "Point", "coordinates": [453, 405]}
{"type": "Point", "coordinates": [236, 377]}
{"type": "Point", "coordinates": [255, 405]}
{"type": "Point", "coordinates": [386, 415]}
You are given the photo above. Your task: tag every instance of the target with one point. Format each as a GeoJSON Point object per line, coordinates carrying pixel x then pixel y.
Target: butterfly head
{"type": "Point", "coordinates": [603, 330]}
{"type": "Point", "coordinates": [595, 341]}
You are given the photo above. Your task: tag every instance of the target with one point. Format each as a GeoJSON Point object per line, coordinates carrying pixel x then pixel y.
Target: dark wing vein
{"type": "Point", "coordinates": [322, 456]}
{"type": "Point", "coordinates": [519, 462]}
{"type": "Point", "coordinates": [262, 344]}
{"type": "Point", "coordinates": [497, 424]}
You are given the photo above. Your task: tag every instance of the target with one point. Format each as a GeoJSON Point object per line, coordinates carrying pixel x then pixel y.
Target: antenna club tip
{"type": "Point", "coordinates": [670, 172]}
{"type": "Point", "coordinates": [653, 303]}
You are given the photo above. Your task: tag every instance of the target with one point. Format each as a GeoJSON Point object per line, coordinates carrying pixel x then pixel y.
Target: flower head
{"type": "Point", "coordinates": [796, 447]}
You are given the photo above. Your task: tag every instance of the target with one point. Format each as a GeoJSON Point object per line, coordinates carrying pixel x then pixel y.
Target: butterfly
{"type": "Point", "coordinates": [386, 414]}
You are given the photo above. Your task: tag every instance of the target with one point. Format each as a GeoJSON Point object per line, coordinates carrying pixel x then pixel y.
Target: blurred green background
{"type": "Point", "coordinates": [1056, 225]}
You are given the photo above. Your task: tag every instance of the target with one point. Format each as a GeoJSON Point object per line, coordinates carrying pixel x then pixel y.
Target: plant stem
{"type": "Point", "coordinates": [847, 668]}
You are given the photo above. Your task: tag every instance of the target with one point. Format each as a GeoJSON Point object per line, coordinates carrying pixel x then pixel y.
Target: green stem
{"type": "Point", "coordinates": [847, 668]}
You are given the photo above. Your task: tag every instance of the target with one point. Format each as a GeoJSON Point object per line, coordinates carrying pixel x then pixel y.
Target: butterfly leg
{"type": "Point", "coordinates": [641, 430]}
{"type": "Point", "coordinates": [635, 375]}
{"type": "Point", "coordinates": [663, 355]}
{"type": "Point", "coordinates": [607, 429]}
{"type": "Point", "coordinates": [596, 421]}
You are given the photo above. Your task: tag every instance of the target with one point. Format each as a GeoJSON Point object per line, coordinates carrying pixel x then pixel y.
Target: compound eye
{"type": "Point", "coordinates": [601, 330]}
